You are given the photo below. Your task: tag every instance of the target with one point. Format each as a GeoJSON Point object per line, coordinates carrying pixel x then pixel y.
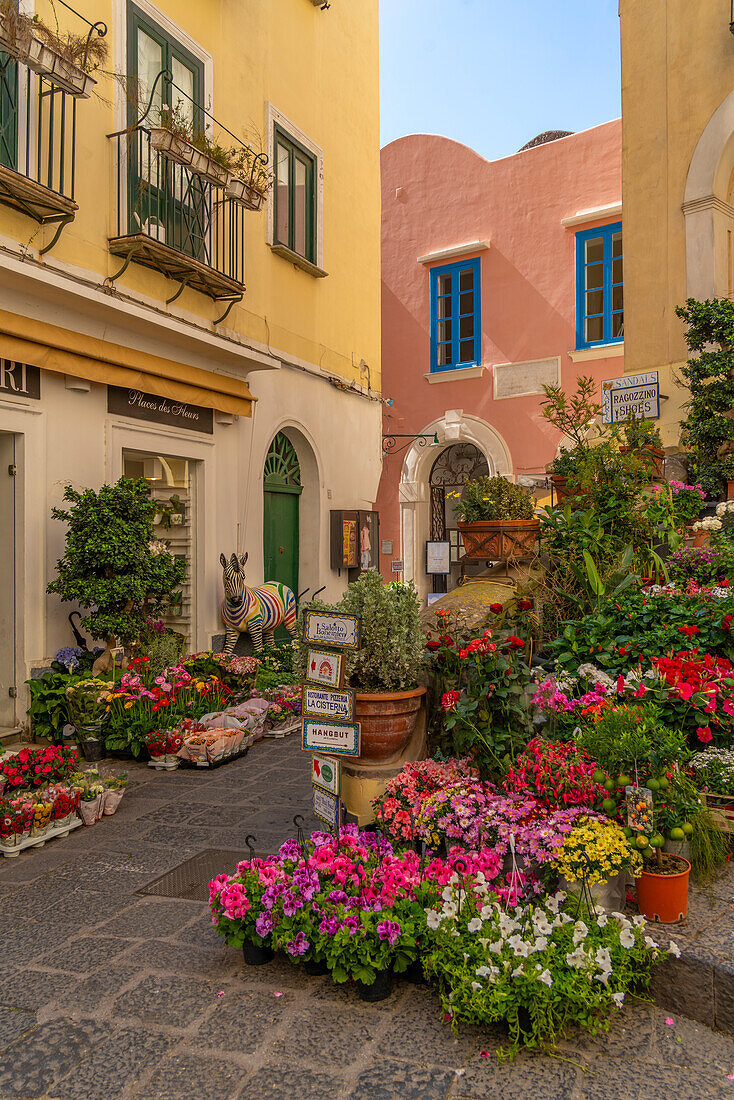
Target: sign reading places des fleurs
{"type": "Point", "coordinates": [318, 702]}
{"type": "Point", "coordinates": [159, 410]}
{"type": "Point", "coordinates": [332, 628]}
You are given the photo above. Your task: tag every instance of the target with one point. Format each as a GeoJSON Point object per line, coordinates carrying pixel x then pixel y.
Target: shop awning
{"type": "Point", "coordinates": [51, 348]}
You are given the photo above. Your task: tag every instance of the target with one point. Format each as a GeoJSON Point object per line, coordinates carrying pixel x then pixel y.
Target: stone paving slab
{"type": "Point", "coordinates": [104, 993]}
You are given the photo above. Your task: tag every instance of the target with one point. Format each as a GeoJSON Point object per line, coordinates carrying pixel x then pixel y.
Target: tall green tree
{"type": "Point", "coordinates": [112, 565]}
{"type": "Point", "coordinates": [708, 429]}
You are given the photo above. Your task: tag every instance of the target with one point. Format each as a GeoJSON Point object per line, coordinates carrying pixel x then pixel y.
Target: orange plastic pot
{"type": "Point", "coordinates": [664, 897]}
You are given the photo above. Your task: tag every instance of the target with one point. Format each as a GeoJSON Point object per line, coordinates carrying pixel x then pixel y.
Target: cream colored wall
{"type": "Point", "coordinates": [320, 69]}
{"type": "Point", "coordinates": [677, 68]}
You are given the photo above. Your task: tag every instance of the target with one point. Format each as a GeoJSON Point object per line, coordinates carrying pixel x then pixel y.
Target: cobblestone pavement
{"type": "Point", "coordinates": [105, 994]}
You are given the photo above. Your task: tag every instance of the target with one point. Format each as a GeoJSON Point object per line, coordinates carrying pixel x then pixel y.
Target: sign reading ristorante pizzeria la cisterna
{"type": "Point", "coordinates": [159, 410]}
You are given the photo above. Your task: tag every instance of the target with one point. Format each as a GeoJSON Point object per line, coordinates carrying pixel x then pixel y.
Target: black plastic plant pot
{"type": "Point", "coordinates": [315, 967]}
{"type": "Point", "coordinates": [414, 974]}
{"type": "Point", "coordinates": [378, 990]}
{"type": "Point", "coordinates": [256, 955]}
{"type": "Point", "coordinates": [93, 749]}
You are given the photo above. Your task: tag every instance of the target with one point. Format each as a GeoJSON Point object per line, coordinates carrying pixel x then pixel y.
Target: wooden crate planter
{"type": "Point", "coordinates": [649, 456]}
{"type": "Point", "coordinates": [183, 152]}
{"type": "Point", "coordinates": [499, 539]}
{"type": "Point", "coordinates": [721, 807]}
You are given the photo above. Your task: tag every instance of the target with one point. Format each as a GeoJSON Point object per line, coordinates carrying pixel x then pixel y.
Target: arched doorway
{"type": "Point", "coordinates": [457, 464]}
{"type": "Point", "coordinates": [281, 528]}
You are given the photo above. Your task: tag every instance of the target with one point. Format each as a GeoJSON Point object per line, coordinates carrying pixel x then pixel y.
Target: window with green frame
{"type": "Point", "coordinates": [295, 196]}
{"type": "Point", "coordinates": [8, 108]}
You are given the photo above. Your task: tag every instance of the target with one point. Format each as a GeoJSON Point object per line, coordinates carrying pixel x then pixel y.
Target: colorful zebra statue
{"type": "Point", "coordinates": [260, 610]}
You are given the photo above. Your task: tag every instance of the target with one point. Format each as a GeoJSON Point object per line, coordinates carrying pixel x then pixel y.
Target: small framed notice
{"type": "Point", "coordinates": [336, 738]}
{"type": "Point", "coordinates": [325, 668]}
{"type": "Point", "coordinates": [319, 702]}
{"type": "Point", "coordinates": [332, 628]}
{"type": "Point", "coordinates": [326, 773]}
{"type": "Point", "coordinates": [438, 558]}
{"type": "Point", "coordinates": [327, 807]}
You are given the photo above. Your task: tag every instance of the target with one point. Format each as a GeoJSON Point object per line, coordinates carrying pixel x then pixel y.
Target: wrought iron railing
{"type": "Point", "coordinates": [37, 127]}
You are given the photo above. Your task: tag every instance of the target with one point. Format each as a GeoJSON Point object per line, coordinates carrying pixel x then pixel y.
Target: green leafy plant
{"type": "Point", "coordinates": [393, 653]}
{"type": "Point", "coordinates": [493, 498]}
{"type": "Point", "coordinates": [639, 432]}
{"type": "Point", "coordinates": [575, 415]}
{"type": "Point", "coordinates": [632, 741]}
{"type": "Point", "coordinates": [708, 429]}
{"type": "Point", "coordinates": [111, 566]}
{"type": "Point", "coordinates": [565, 462]}
{"type": "Point", "coordinates": [48, 711]}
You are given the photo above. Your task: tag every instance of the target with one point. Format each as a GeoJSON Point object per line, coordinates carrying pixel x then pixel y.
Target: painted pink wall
{"type": "Point", "coordinates": [437, 193]}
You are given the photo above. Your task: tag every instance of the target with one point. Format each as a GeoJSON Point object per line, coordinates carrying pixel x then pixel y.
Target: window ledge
{"type": "Point", "coordinates": [299, 261]}
{"type": "Point", "coordinates": [601, 351]}
{"type": "Point", "coordinates": [455, 375]}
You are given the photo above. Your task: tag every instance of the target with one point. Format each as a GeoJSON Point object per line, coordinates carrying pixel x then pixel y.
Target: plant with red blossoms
{"type": "Point", "coordinates": [36, 767]}
{"type": "Point", "coordinates": [557, 774]}
{"type": "Point", "coordinates": [397, 809]}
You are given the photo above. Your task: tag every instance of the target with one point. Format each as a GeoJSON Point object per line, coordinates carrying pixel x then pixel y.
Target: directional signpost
{"type": "Point", "coordinates": [328, 728]}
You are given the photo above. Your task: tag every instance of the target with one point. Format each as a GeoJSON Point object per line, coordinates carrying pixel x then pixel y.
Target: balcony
{"type": "Point", "coordinates": [176, 220]}
{"type": "Point", "coordinates": [38, 105]}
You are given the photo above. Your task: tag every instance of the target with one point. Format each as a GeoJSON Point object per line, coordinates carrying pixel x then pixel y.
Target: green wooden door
{"type": "Point", "coordinates": [282, 491]}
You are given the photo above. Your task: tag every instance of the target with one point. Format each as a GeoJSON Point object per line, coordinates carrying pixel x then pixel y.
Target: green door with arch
{"type": "Point", "coordinates": [282, 490]}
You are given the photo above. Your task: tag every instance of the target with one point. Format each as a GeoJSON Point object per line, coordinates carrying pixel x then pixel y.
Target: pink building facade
{"type": "Point", "coordinates": [497, 278]}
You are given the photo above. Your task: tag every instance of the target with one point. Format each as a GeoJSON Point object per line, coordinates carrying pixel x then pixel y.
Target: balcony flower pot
{"type": "Point", "coordinates": [664, 897]}
{"type": "Point", "coordinates": [387, 722]}
{"type": "Point", "coordinates": [244, 194]}
{"type": "Point", "coordinates": [256, 954]}
{"type": "Point", "coordinates": [61, 72]}
{"type": "Point", "coordinates": [650, 456]}
{"type": "Point", "coordinates": [176, 519]}
{"type": "Point", "coordinates": [499, 539]}
{"type": "Point", "coordinates": [180, 151]}
{"type": "Point", "coordinates": [377, 990]}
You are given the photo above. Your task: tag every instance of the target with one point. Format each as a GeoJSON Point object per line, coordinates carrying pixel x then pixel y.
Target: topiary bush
{"type": "Point", "coordinates": [112, 565]}
{"type": "Point", "coordinates": [492, 498]}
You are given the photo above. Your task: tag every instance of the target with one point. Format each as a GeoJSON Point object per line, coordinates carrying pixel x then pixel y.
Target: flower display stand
{"type": "Point", "coordinates": [283, 729]}
{"type": "Point", "coordinates": [39, 841]}
{"type": "Point", "coordinates": [722, 810]}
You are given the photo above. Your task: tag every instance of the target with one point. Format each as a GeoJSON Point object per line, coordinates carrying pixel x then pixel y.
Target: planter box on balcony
{"type": "Point", "coordinates": [43, 59]}
{"type": "Point", "coordinates": [499, 539]}
{"type": "Point", "coordinates": [244, 194]}
{"type": "Point", "coordinates": [183, 152]}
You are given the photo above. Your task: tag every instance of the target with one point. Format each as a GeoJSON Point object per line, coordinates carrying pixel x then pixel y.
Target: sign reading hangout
{"type": "Point", "coordinates": [633, 394]}
{"type": "Point", "coordinates": [321, 703]}
{"type": "Point", "coordinates": [337, 738]}
{"type": "Point", "coordinates": [332, 628]}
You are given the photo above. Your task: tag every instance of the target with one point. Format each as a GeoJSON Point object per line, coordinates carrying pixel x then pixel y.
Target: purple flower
{"type": "Point", "coordinates": [351, 922]}
{"type": "Point", "coordinates": [264, 925]}
{"type": "Point", "coordinates": [337, 896]}
{"type": "Point", "coordinates": [289, 850]}
{"type": "Point", "coordinates": [291, 905]}
{"type": "Point", "coordinates": [329, 926]}
{"type": "Point", "coordinates": [388, 930]}
{"type": "Point", "coordinates": [298, 946]}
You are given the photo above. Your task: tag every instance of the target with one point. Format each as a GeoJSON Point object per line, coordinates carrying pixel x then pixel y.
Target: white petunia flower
{"type": "Point", "coordinates": [433, 919]}
{"type": "Point", "coordinates": [474, 925]}
{"type": "Point", "coordinates": [618, 999]}
{"type": "Point", "coordinates": [626, 938]}
{"type": "Point", "coordinates": [546, 978]}
{"type": "Point", "coordinates": [674, 949]}
{"type": "Point", "coordinates": [476, 985]}
{"type": "Point", "coordinates": [650, 942]}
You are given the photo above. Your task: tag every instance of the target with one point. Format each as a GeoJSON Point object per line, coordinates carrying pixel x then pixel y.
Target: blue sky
{"type": "Point", "coordinates": [494, 73]}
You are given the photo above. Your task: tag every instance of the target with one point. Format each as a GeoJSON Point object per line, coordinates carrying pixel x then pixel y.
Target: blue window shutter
{"type": "Point", "coordinates": [455, 270]}
{"type": "Point", "coordinates": [606, 234]}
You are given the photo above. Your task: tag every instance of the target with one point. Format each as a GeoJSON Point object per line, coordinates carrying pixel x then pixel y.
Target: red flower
{"type": "Point", "coordinates": [515, 642]}
{"type": "Point", "coordinates": [524, 605]}
{"type": "Point", "coordinates": [449, 699]}
{"type": "Point", "coordinates": [689, 631]}
{"type": "Point", "coordinates": [622, 650]}
{"type": "Point", "coordinates": [497, 608]}
{"type": "Point", "coordinates": [463, 654]}
{"type": "Point", "coordinates": [726, 622]}
{"type": "Point", "coordinates": [433, 644]}
{"type": "Point", "coordinates": [704, 733]}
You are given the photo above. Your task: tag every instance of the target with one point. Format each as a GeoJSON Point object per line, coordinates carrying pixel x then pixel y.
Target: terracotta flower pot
{"type": "Point", "coordinates": [499, 539]}
{"type": "Point", "coordinates": [560, 486]}
{"type": "Point", "coordinates": [701, 538]}
{"type": "Point", "coordinates": [664, 897]}
{"type": "Point", "coordinates": [387, 720]}
{"type": "Point", "coordinates": [649, 456]}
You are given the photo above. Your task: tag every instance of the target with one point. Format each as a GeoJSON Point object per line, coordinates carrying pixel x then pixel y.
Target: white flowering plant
{"type": "Point", "coordinates": [540, 968]}
{"type": "Point", "coordinates": [714, 770]}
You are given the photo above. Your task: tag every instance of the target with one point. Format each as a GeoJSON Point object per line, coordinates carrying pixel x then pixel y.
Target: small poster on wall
{"type": "Point", "coordinates": [349, 543]}
{"type": "Point", "coordinates": [438, 558]}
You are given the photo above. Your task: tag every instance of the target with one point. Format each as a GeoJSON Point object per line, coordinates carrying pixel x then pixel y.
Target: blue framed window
{"type": "Point", "coordinates": [456, 331]}
{"type": "Point", "coordinates": [599, 286]}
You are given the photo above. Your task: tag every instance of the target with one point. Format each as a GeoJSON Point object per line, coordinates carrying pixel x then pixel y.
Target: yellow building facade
{"type": "Point", "coordinates": [678, 179]}
{"type": "Point", "coordinates": [152, 323]}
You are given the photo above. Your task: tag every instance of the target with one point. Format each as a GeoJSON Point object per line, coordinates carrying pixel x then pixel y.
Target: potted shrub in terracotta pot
{"type": "Point", "coordinates": [385, 672]}
{"type": "Point", "coordinates": [497, 519]}
{"type": "Point", "coordinates": [560, 470]}
{"type": "Point", "coordinates": [642, 438]}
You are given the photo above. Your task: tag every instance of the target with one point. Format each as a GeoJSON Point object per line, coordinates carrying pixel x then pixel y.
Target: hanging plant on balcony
{"type": "Point", "coordinates": [67, 60]}
{"type": "Point", "coordinates": [250, 179]}
{"type": "Point", "coordinates": [177, 139]}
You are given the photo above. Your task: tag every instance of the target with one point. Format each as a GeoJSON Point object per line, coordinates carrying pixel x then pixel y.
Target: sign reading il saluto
{"type": "Point", "coordinates": [337, 738]}
{"type": "Point", "coordinates": [332, 628]}
{"type": "Point", "coordinates": [159, 410]}
{"type": "Point", "coordinates": [321, 703]}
